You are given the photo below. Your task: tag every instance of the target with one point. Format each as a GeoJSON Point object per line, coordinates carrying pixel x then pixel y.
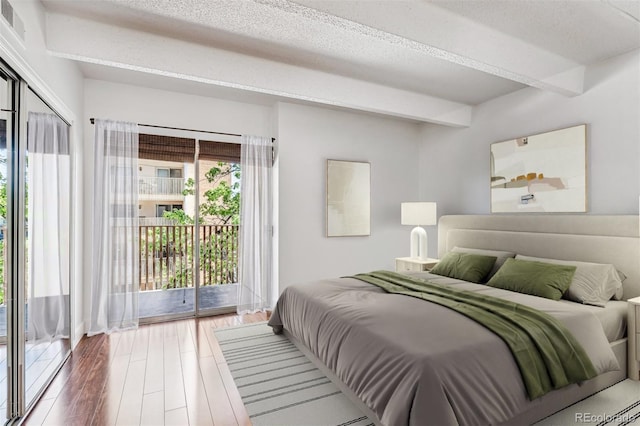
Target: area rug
{"type": "Point", "coordinates": [279, 385]}
{"type": "Point", "coordinates": [618, 405]}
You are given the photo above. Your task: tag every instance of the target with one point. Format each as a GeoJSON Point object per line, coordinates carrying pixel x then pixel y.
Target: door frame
{"type": "Point", "coordinates": [197, 311]}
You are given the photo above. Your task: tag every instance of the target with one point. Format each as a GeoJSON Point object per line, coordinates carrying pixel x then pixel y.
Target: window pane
{"type": "Point", "coordinates": [167, 234]}
{"type": "Point", "coordinates": [219, 196]}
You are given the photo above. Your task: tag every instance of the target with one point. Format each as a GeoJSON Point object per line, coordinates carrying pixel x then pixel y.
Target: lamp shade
{"type": "Point", "coordinates": [420, 213]}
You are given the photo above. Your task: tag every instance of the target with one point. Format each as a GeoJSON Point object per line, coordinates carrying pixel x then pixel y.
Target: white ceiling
{"type": "Point", "coordinates": [189, 87]}
{"type": "Point", "coordinates": [449, 53]}
{"type": "Point", "coordinates": [584, 31]}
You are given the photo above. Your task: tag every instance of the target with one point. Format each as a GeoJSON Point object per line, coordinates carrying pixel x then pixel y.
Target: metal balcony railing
{"type": "Point", "coordinates": [160, 186]}
{"type": "Point", "coordinates": [168, 258]}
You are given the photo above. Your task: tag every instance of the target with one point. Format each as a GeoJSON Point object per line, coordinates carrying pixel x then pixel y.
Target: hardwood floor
{"type": "Point", "coordinates": [171, 373]}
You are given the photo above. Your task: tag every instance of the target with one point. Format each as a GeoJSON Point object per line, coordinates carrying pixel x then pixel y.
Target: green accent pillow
{"type": "Point", "coordinates": [465, 266]}
{"type": "Point", "coordinates": [536, 278]}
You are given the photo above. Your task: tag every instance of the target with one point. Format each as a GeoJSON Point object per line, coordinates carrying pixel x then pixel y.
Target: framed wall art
{"type": "Point", "coordinates": [348, 198]}
{"type": "Point", "coordinates": [546, 172]}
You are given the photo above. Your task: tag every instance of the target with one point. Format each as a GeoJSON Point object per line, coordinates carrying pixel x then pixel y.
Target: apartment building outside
{"type": "Point", "coordinates": [161, 186]}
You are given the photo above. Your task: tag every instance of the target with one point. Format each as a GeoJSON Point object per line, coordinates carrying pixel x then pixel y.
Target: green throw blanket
{"type": "Point", "coordinates": [548, 356]}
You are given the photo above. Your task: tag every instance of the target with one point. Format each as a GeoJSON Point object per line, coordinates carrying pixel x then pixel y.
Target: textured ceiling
{"type": "Point", "coordinates": [269, 32]}
{"type": "Point", "coordinates": [466, 51]}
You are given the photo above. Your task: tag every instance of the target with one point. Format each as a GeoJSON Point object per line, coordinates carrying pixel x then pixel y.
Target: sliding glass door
{"type": "Point", "coordinates": [219, 206]}
{"type": "Point", "coordinates": [35, 244]}
{"type": "Point", "coordinates": [166, 206]}
{"type": "Point", "coordinates": [7, 87]}
{"type": "Point", "coordinates": [189, 202]}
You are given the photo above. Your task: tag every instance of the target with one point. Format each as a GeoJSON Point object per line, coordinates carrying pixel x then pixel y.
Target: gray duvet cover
{"type": "Point", "coordinates": [417, 363]}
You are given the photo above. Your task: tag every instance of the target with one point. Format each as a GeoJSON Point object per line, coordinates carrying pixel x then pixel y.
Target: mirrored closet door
{"type": "Point", "coordinates": [47, 226]}
{"type": "Point", "coordinates": [35, 244]}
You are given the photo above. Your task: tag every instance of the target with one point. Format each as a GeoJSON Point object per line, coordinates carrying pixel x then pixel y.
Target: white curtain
{"type": "Point", "coordinates": [48, 227]}
{"type": "Point", "coordinates": [256, 291]}
{"type": "Point", "coordinates": [115, 277]}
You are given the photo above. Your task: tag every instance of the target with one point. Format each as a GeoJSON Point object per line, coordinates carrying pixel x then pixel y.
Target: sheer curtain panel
{"type": "Point", "coordinates": [49, 187]}
{"type": "Point", "coordinates": [256, 291]}
{"type": "Point", "coordinates": [115, 276]}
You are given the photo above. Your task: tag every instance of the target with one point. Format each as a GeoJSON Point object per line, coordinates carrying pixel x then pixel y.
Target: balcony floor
{"type": "Point", "coordinates": [181, 300]}
{"type": "Point", "coordinates": [153, 303]}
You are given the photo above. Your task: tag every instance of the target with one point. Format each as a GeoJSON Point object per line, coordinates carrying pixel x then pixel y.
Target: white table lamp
{"type": "Point", "coordinates": [421, 213]}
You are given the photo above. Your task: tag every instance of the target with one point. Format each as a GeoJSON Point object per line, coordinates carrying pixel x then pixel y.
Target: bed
{"type": "Point", "coordinates": [407, 361]}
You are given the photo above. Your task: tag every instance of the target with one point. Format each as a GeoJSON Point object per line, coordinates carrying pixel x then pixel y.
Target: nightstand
{"type": "Point", "coordinates": [404, 264]}
{"type": "Point", "coordinates": [633, 334]}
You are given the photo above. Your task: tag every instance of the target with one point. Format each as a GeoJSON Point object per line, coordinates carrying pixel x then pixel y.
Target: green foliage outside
{"type": "Point", "coordinates": [222, 201]}
{"type": "Point", "coordinates": [218, 253]}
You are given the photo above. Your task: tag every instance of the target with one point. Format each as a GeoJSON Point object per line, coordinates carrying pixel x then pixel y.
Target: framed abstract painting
{"type": "Point", "coordinates": [546, 172]}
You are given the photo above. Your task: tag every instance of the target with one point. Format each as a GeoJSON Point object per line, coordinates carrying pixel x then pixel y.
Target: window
{"type": "Point", "coordinates": [161, 208]}
{"type": "Point", "coordinates": [165, 173]}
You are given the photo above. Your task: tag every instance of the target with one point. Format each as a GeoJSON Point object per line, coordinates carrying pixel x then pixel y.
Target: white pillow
{"type": "Point", "coordinates": [592, 283]}
{"type": "Point", "coordinates": [619, 292]}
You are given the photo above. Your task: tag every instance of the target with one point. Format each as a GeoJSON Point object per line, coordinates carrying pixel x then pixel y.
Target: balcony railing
{"type": "Point", "coordinates": [156, 221]}
{"type": "Point", "coordinates": [160, 186]}
{"type": "Point", "coordinates": [168, 258]}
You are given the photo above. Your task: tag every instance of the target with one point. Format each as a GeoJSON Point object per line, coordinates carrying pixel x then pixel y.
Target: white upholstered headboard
{"type": "Point", "coordinates": [589, 238]}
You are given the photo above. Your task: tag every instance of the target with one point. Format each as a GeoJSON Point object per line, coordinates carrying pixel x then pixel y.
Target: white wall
{"type": "Point", "coordinates": [60, 83]}
{"type": "Point", "coordinates": [454, 163]}
{"type": "Point", "coordinates": [137, 104]}
{"type": "Point", "coordinates": [307, 137]}
{"type": "Point", "coordinates": [58, 80]}
{"type": "Point", "coordinates": [151, 106]}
